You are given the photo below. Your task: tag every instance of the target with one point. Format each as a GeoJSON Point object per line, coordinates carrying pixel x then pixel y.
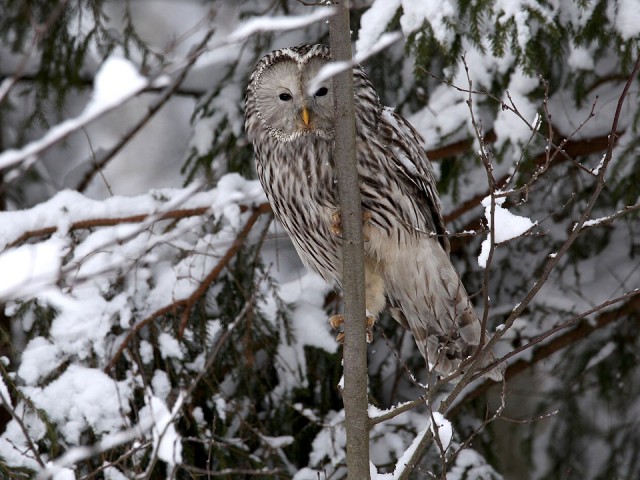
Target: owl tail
{"type": "Point", "coordinates": [434, 305]}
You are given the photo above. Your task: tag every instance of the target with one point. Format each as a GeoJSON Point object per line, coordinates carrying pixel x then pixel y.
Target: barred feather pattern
{"type": "Point", "coordinates": [407, 265]}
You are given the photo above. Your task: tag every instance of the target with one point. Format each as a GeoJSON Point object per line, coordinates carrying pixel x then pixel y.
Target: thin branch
{"type": "Point", "coordinates": [468, 375]}
{"type": "Point", "coordinates": [558, 343]}
{"type": "Point", "coordinates": [562, 326]}
{"type": "Point", "coordinates": [554, 260]}
{"type": "Point", "coordinates": [152, 110]}
{"type": "Point", "coordinates": [110, 222]}
{"type": "Point", "coordinates": [540, 353]}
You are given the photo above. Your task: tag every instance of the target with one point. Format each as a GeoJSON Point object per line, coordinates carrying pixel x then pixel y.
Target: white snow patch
{"type": "Point", "coordinates": [5, 398]}
{"type": "Point", "coordinates": [406, 456]}
{"type": "Point", "coordinates": [506, 226]}
{"type": "Point", "coordinates": [627, 18]}
{"type": "Point", "coordinates": [169, 346]}
{"type": "Point", "coordinates": [155, 416]}
{"type": "Point", "coordinates": [516, 10]}
{"type": "Point", "coordinates": [276, 23]}
{"type": "Point", "coordinates": [442, 428]}
{"type": "Point", "coordinates": [39, 359]}
{"type": "Point", "coordinates": [434, 12]}
{"type": "Point", "coordinates": [112, 473]}
{"type": "Point", "coordinates": [83, 398]}
{"type": "Point", "coordinates": [116, 80]}
{"type": "Point", "coordinates": [374, 21]}
{"type": "Point", "coordinates": [470, 464]}
{"type": "Point", "coordinates": [604, 352]}
{"type": "Point", "coordinates": [61, 473]}
{"type": "Point", "coordinates": [580, 58]}
{"type": "Point", "coordinates": [146, 352]}
{"type": "Point", "coordinates": [277, 442]}
{"type": "Point", "coordinates": [160, 384]}
{"type": "Point", "coordinates": [31, 267]}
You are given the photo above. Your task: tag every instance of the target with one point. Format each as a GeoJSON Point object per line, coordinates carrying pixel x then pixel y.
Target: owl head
{"type": "Point", "coordinates": [278, 94]}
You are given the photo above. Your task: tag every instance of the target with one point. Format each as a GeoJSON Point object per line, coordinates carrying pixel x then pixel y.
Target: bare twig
{"type": "Point", "coordinates": [555, 259]}
{"type": "Point", "coordinates": [632, 305]}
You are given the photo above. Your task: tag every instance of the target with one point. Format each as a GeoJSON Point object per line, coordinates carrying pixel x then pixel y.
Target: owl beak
{"type": "Point", "coordinates": [305, 116]}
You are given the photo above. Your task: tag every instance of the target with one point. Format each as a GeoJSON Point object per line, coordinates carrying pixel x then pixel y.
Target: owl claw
{"type": "Point", "coordinates": [337, 320]}
{"type": "Point", "coordinates": [336, 223]}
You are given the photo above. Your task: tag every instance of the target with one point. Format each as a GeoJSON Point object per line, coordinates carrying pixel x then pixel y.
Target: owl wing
{"type": "Point", "coordinates": [423, 288]}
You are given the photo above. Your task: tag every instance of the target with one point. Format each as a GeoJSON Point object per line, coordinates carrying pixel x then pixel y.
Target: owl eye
{"type": "Point", "coordinates": [285, 97]}
{"type": "Point", "coordinates": [322, 91]}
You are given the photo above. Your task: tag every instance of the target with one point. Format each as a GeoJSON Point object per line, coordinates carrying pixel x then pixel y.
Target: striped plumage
{"type": "Point", "coordinates": [407, 267]}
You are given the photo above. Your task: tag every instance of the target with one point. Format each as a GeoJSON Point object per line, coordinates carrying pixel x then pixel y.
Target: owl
{"type": "Point", "coordinates": [407, 265]}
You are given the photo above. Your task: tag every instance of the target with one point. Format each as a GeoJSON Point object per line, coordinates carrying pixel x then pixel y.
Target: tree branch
{"type": "Point", "coordinates": [153, 109]}
{"type": "Point", "coordinates": [584, 329]}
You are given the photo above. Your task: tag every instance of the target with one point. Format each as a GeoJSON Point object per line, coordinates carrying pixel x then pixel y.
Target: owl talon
{"type": "Point", "coordinates": [336, 224]}
{"type": "Point", "coordinates": [371, 320]}
{"type": "Point", "coordinates": [337, 320]}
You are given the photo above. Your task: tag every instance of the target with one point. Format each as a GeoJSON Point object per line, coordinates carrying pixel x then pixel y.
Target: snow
{"type": "Point", "coordinates": [441, 427]}
{"type": "Point", "coordinates": [604, 352]}
{"type": "Point", "coordinates": [517, 11]}
{"type": "Point", "coordinates": [308, 322]}
{"type": "Point", "coordinates": [112, 473]}
{"type": "Point", "coordinates": [5, 398]}
{"type": "Point", "coordinates": [39, 359]}
{"type": "Point", "coordinates": [435, 13]}
{"type": "Point", "coordinates": [469, 464]}
{"type": "Point", "coordinates": [116, 81]}
{"type": "Point", "coordinates": [626, 17]}
{"type": "Point", "coordinates": [63, 474]}
{"type": "Point", "coordinates": [155, 416]}
{"type": "Point", "coordinates": [82, 399]}
{"type": "Point", "coordinates": [277, 442]}
{"type": "Point", "coordinates": [580, 58]}
{"type": "Point", "coordinates": [161, 384]}
{"type": "Point", "coordinates": [510, 127]}
{"type": "Point", "coordinates": [105, 100]}
{"type": "Point", "coordinates": [406, 456]}
{"type": "Point", "coordinates": [169, 346]}
{"type": "Point", "coordinates": [506, 226]}
{"type": "Point", "coordinates": [374, 22]}
{"type": "Point", "coordinates": [31, 267]}
{"type": "Point", "coordinates": [333, 68]}
{"type": "Point", "coordinates": [275, 23]}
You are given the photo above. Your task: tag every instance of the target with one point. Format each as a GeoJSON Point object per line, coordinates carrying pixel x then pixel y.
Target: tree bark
{"type": "Point", "coordinates": [355, 346]}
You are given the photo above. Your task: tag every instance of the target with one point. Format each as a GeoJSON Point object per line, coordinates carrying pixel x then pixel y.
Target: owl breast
{"type": "Point", "coordinates": [300, 184]}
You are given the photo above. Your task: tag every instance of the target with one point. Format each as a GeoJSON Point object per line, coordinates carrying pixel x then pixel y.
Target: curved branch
{"type": "Point", "coordinates": [153, 109]}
